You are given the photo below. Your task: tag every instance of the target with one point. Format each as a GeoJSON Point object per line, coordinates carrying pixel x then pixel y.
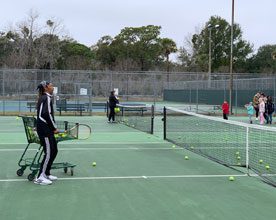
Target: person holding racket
{"type": "Point", "coordinates": [46, 128]}
{"type": "Point", "coordinates": [112, 105]}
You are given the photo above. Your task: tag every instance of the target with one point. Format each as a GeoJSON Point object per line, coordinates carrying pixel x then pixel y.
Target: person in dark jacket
{"type": "Point", "coordinates": [46, 128]}
{"type": "Point", "coordinates": [113, 101]}
{"type": "Point", "coordinates": [269, 110]}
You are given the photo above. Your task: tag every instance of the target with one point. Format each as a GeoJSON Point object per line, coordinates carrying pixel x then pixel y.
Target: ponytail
{"type": "Point", "coordinates": [41, 88]}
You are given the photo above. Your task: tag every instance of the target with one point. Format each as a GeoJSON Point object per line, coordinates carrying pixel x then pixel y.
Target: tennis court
{"type": "Point", "coordinates": [138, 176]}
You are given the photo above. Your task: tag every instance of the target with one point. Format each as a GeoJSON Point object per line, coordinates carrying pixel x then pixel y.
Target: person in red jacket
{"type": "Point", "coordinates": [225, 110]}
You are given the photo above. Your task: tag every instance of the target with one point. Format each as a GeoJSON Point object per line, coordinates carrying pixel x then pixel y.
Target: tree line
{"type": "Point", "coordinates": [133, 49]}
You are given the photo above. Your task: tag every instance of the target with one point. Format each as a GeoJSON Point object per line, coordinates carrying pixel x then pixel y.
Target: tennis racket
{"type": "Point", "coordinates": [79, 131]}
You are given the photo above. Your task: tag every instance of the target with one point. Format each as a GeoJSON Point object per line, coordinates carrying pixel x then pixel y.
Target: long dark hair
{"type": "Point", "coordinates": [41, 89]}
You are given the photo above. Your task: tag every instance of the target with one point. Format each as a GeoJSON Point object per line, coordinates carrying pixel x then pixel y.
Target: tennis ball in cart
{"type": "Point", "coordinates": [94, 164]}
{"type": "Point", "coordinates": [231, 178]}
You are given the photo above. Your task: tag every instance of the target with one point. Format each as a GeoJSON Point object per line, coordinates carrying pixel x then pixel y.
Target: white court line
{"type": "Point", "coordinates": [85, 143]}
{"type": "Point", "coordinates": [135, 177]}
{"type": "Point", "coordinates": [104, 148]}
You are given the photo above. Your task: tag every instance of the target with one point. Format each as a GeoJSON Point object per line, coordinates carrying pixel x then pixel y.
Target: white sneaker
{"type": "Point", "coordinates": [42, 181]}
{"type": "Point", "coordinates": [52, 178]}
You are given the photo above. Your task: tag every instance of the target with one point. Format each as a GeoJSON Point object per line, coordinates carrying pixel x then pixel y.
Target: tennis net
{"type": "Point", "coordinates": [140, 117]}
{"type": "Point", "coordinates": [230, 143]}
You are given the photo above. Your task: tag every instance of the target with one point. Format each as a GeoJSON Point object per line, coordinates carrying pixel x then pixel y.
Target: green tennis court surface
{"type": "Point", "coordinates": [138, 176]}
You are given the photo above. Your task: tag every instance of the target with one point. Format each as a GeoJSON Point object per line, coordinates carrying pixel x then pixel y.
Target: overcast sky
{"type": "Point", "coordinates": [88, 20]}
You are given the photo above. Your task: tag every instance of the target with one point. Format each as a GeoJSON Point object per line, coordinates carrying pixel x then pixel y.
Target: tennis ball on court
{"type": "Point", "coordinates": [261, 161]}
{"type": "Point", "coordinates": [237, 153]}
{"type": "Point", "coordinates": [239, 164]}
{"type": "Point", "coordinates": [17, 118]}
{"type": "Point", "coordinates": [186, 158]}
{"type": "Point", "coordinates": [267, 167]}
{"type": "Point", "coordinates": [238, 157]}
{"type": "Point", "coordinates": [231, 178]}
{"type": "Point", "coordinates": [94, 164]}
{"type": "Point", "coordinates": [173, 146]}
{"type": "Point", "coordinates": [192, 147]}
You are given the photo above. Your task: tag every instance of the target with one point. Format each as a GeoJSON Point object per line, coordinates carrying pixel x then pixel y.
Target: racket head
{"type": "Point", "coordinates": [84, 131]}
{"type": "Point", "coordinates": [80, 131]}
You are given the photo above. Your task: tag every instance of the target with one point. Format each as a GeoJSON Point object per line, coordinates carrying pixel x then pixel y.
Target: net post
{"type": "Point", "coordinates": [247, 150]}
{"type": "Point", "coordinates": [164, 123]}
{"type": "Point", "coordinates": [152, 119]}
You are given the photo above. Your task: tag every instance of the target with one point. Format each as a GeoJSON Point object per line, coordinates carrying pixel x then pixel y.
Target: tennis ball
{"type": "Point", "coordinates": [186, 158]}
{"type": "Point", "coordinates": [239, 164]}
{"type": "Point", "coordinates": [17, 118]}
{"type": "Point", "coordinates": [94, 164]}
{"type": "Point", "coordinates": [261, 161]}
{"type": "Point", "coordinates": [231, 178]}
{"type": "Point", "coordinates": [267, 167]}
{"type": "Point", "coordinates": [238, 157]}
{"type": "Point", "coordinates": [192, 147]}
{"type": "Point", "coordinates": [237, 153]}
{"type": "Point", "coordinates": [173, 146]}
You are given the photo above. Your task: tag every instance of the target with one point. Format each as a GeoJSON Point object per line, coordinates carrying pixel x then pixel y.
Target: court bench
{"type": "Point", "coordinates": [138, 108]}
{"type": "Point", "coordinates": [31, 105]}
{"type": "Point", "coordinates": [97, 105]}
{"type": "Point", "coordinates": [71, 107]}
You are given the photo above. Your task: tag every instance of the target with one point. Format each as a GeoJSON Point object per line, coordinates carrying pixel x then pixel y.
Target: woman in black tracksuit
{"type": "Point", "coordinates": [112, 105]}
{"type": "Point", "coordinates": [46, 128]}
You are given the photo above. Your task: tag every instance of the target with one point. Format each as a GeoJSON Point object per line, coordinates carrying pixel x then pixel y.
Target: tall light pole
{"type": "Point", "coordinates": [231, 60]}
{"type": "Point", "coordinates": [210, 27]}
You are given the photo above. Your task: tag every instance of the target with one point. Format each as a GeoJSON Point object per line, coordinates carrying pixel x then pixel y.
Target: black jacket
{"type": "Point", "coordinates": [45, 116]}
{"type": "Point", "coordinates": [113, 101]}
{"type": "Point", "coordinates": [269, 107]}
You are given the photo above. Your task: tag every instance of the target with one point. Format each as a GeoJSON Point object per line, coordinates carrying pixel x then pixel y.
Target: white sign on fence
{"type": "Point", "coordinates": [116, 91]}
{"type": "Point", "coordinates": [55, 90]}
{"type": "Point", "coordinates": [83, 91]}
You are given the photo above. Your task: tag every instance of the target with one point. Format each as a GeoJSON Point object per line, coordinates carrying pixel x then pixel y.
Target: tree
{"type": "Point", "coordinates": [263, 61]}
{"type": "Point", "coordinates": [141, 44]}
{"type": "Point", "coordinates": [47, 51]}
{"type": "Point", "coordinates": [168, 46]}
{"type": "Point", "coordinates": [220, 41]}
{"type": "Point", "coordinates": [75, 56]}
{"type": "Point", "coordinates": [134, 48]}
